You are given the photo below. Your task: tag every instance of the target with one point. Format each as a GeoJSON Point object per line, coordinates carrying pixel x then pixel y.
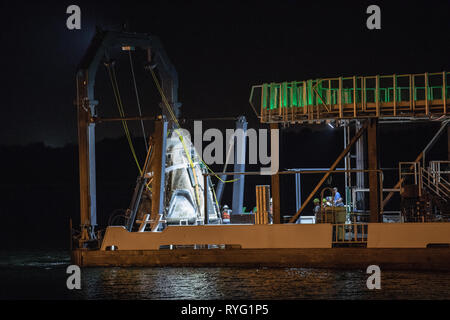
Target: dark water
{"type": "Point", "coordinates": [42, 275]}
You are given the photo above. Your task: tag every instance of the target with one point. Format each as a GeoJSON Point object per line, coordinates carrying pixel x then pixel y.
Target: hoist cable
{"type": "Point", "coordinates": [166, 103]}
{"type": "Point", "coordinates": [137, 99]}
{"type": "Point", "coordinates": [113, 79]}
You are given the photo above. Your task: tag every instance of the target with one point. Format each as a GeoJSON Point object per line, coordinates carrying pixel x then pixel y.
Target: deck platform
{"type": "Point", "coordinates": [412, 246]}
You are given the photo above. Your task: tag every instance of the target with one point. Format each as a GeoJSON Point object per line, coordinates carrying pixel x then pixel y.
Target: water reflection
{"type": "Point", "coordinates": [260, 283]}
{"type": "Point", "coordinates": [43, 275]}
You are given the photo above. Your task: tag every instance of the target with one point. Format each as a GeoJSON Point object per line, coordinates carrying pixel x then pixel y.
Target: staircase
{"type": "Point", "coordinates": [437, 187]}
{"type": "Point", "coordinates": [425, 192]}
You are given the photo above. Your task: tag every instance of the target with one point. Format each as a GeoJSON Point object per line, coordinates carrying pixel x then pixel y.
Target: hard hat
{"type": "Point", "coordinates": [225, 207]}
{"type": "Point", "coordinates": [324, 200]}
{"type": "Point", "coordinates": [316, 200]}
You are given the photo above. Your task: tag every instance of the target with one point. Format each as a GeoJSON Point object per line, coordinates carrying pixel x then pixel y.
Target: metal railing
{"type": "Point", "coordinates": [430, 179]}
{"type": "Point", "coordinates": [414, 95]}
{"type": "Point", "coordinates": [440, 187]}
{"type": "Point", "coordinates": [409, 174]}
{"type": "Point", "coordinates": [440, 169]}
{"type": "Point", "coordinates": [350, 233]}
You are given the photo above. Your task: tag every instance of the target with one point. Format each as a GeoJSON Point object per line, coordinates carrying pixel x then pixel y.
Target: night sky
{"type": "Point", "coordinates": [220, 49]}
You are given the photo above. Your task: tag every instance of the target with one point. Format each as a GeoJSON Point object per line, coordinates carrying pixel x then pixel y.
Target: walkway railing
{"type": "Point", "coordinates": [409, 95]}
{"type": "Point", "coordinates": [350, 233]}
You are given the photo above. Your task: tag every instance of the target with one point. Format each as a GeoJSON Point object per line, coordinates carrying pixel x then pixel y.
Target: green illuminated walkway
{"type": "Point", "coordinates": [392, 96]}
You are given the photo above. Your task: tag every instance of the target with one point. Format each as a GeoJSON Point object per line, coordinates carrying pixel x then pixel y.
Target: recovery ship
{"type": "Point", "coordinates": [174, 214]}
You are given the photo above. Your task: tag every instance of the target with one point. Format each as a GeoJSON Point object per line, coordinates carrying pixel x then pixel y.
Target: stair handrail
{"type": "Point", "coordinates": [441, 188]}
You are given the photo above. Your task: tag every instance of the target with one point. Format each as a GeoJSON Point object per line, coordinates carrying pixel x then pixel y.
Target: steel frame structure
{"type": "Point", "coordinates": [87, 109]}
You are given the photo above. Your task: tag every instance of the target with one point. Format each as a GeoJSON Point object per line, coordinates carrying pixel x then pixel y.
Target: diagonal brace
{"type": "Point", "coordinates": [333, 166]}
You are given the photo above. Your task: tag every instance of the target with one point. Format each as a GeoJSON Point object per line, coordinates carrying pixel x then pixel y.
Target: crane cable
{"type": "Point", "coordinates": [113, 79]}
{"type": "Point", "coordinates": [175, 120]}
{"type": "Point", "coordinates": [137, 100]}
{"type": "Point", "coordinates": [169, 108]}
{"type": "Point", "coordinates": [115, 86]}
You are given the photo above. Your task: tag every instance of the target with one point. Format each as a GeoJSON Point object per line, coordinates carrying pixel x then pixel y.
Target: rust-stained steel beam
{"type": "Point", "coordinates": [333, 166]}
{"type": "Point", "coordinates": [113, 119]}
{"type": "Point", "coordinates": [275, 181]}
{"type": "Point", "coordinates": [276, 205]}
{"type": "Point", "coordinates": [374, 183]}
{"type": "Point", "coordinates": [290, 172]}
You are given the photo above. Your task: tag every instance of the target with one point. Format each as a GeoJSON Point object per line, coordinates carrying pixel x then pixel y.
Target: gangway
{"type": "Point", "coordinates": [403, 96]}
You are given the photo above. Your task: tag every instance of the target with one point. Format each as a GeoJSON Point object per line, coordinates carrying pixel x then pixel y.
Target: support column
{"type": "Point", "coordinates": [157, 167]}
{"type": "Point", "coordinates": [448, 149]}
{"type": "Point", "coordinates": [275, 181]}
{"type": "Point", "coordinates": [240, 144]}
{"type": "Point", "coordinates": [360, 184]}
{"type": "Point", "coordinates": [374, 183]}
{"type": "Point", "coordinates": [347, 163]}
{"type": "Point", "coordinates": [86, 157]}
{"type": "Point", "coordinates": [229, 158]}
{"type": "Point", "coordinates": [448, 142]}
{"type": "Point", "coordinates": [298, 191]}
